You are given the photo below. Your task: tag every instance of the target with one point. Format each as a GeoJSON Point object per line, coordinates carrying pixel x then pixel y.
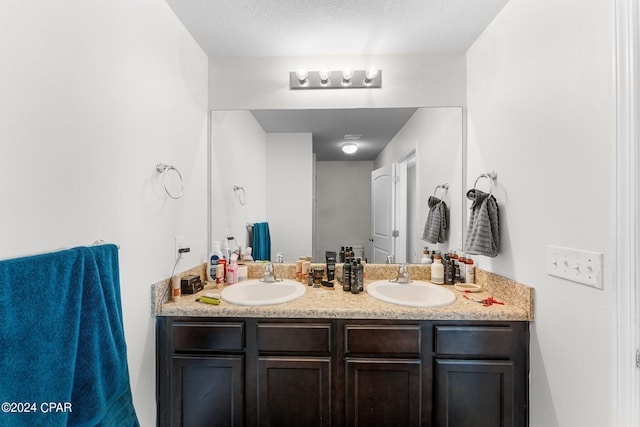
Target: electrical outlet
{"type": "Point", "coordinates": [179, 245]}
{"type": "Point", "coordinates": [578, 266]}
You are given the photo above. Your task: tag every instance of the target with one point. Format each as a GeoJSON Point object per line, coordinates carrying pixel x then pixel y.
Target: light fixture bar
{"type": "Point", "coordinates": [335, 81]}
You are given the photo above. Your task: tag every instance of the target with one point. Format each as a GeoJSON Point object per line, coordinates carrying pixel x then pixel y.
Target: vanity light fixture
{"type": "Point", "coordinates": [349, 148]}
{"type": "Point", "coordinates": [348, 78]}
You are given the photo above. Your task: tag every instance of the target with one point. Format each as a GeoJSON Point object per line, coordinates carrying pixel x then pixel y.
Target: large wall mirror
{"type": "Point", "coordinates": [287, 168]}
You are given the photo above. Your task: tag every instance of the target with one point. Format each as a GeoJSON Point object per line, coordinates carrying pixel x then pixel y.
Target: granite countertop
{"type": "Point", "coordinates": [333, 304]}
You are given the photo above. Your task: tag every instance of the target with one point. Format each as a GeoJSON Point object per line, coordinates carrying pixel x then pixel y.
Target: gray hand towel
{"type": "Point", "coordinates": [483, 232]}
{"type": "Point", "coordinates": [437, 221]}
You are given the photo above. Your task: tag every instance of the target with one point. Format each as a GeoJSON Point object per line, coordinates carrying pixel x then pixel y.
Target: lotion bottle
{"type": "Point", "coordinates": [437, 271]}
{"type": "Point", "coordinates": [232, 270]}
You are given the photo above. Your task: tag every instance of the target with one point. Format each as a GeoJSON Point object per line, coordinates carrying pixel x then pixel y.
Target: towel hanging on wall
{"type": "Point", "coordinates": [483, 232]}
{"type": "Point", "coordinates": [66, 343]}
{"type": "Point", "coordinates": [261, 242]}
{"type": "Point", "coordinates": [435, 228]}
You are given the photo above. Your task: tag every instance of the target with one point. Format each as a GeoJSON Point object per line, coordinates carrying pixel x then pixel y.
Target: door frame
{"type": "Point", "coordinates": [626, 268]}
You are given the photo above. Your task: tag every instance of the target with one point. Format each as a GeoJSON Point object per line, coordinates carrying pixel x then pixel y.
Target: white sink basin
{"type": "Point", "coordinates": [254, 292]}
{"type": "Point", "coordinates": [414, 294]}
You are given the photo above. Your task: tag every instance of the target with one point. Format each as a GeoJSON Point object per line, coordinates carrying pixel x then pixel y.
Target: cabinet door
{"type": "Point", "coordinates": [383, 392]}
{"type": "Point", "coordinates": [475, 393]}
{"type": "Point", "coordinates": [207, 391]}
{"type": "Point", "coordinates": [294, 391]}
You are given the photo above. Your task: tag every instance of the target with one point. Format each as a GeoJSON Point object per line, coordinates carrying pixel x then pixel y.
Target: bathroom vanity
{"type": "Point", "coordinates": [331, 358]}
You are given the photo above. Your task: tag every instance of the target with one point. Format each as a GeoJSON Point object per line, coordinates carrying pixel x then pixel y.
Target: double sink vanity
{"type": "Point", "coordinates": [333, 358]}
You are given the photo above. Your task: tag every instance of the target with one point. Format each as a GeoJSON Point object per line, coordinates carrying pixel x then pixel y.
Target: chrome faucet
{"type": "Point", "coordinates": [403, 274]}
{"type": "Point", "coordinates": [391, 259]}
{"type": "Point", "coordinates": [269, 274]}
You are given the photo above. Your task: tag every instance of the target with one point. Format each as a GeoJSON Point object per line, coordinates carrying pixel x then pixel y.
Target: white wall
{"type": "Point", "coordinates": [289, 204]}
{"type": "Point", "coordinates": [94, 94]}
{"type": "Point", "coordinates": [238, 156]}
{"type": "Point", "coordinates": [407, 81]}
{"type": "Point", "coordinates": [437, 136]}
{"type": "Point", "coordinates": [343, 205]}
{"type": "Point", "coordinates": [541, 95]}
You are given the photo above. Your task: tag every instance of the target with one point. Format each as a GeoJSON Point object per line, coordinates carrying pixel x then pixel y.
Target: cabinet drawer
{"type": "Point", "coordinates": [488, 341]}
{"type": "Point", "coordinates": [382, 339]}
{"type": "Point", "coordinates": [201, 336]}
{"type": "Point", "coordinates": [294, 337]}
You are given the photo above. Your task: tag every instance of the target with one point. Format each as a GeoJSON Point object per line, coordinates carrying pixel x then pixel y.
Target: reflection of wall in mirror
{"type": "Point", "coordinates": [276, 172]}
{"type": "Point", "coordinates": [436, 134]}
{"type": "Point", "coordinates": [343, 206]}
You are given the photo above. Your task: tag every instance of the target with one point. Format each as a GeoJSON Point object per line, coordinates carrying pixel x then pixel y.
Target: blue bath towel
{"type": "Point", "coordinates": [261, 242]}
{"type": "Point", "coordinates": [62, 347]}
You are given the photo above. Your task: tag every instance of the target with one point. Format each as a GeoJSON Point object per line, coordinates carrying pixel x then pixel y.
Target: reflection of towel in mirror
{"type": "Point", "coordinates": [261, 242]}
{"type": "Point", "coordinates": [483, 232]}
{"type": "Point", "coordinates": [437, 221]}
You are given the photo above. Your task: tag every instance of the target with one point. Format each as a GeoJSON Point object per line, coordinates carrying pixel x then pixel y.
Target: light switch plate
{"type": "Point", "coordinates": [578, 266]}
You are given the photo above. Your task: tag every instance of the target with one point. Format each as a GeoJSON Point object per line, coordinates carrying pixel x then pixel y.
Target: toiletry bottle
{"type": "Point", "coordinates": [232, 270]}
{"type": "Point", "coordinates": [214, 258]}
{"type": "Point", "coordinates": [331, 265]}
{"type": "Point", "coordinates": [341, 254]}
{"type": "Point", "coordinates": [437, 270]}
{"type": "Point", "coordinates": [299, 269]}
{"type": "Point", "coordinates": [306, 266]}
{"type": "Point", "coordinates": [360, 276]}
{"type": "Point", "coordinates": [471, 271]}
{"type": "Point", "coordinates": [426, 259]}
{"type": "Point", "coordinates": [346, 275]}
{"type": "Point", "coordinates": [354, 277]}
{"type": "Point", "coordinates": [175, 288]}
{"type": "Point", "coordinates": [463, 268]}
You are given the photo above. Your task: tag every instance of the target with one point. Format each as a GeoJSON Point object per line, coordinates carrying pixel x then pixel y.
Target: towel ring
{"type": "Point", "coordinates": [491, 176]}
{"type": "Point", "coordinates": [162, 168]}
{"type": "Point", "coordinates": [242, 199]}
{"type": "Point", "coordinates": [444, 188]}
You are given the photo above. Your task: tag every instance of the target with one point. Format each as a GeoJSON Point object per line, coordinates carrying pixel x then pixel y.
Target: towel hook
{"type": "Point", "coordinates": [444, 187]}
{"type": "Point", "coordinates": [162, 169]}
{"type": "Point", "coordinates": [491, 176]}
{"type": "Point", "coordinates": [241, 198]}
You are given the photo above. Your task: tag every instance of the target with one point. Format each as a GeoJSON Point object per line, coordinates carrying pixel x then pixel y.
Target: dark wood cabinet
{"type": "Point", "coordinates": [382, 392]}
{"type": "Point", "coordinates": [207, 391]}
{"type": "Point", "coordinates": [294, 392]}
{"type": "Point", "coordinates": [341, 372]}
{"type": "Point", "coordinates": [475, 393]}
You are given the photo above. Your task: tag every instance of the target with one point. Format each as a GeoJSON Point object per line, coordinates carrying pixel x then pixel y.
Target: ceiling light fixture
{"type": "Point", "coordinates": [348, 78]}
{"type": "Point", "coordinates": [349, 148]}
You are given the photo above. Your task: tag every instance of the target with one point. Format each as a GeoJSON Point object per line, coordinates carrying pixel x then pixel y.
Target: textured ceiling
{"type": "Point", "coordinates": [377, 126]}
{"type": "Point", "coordinates": [266, 28]}
{"type": "Point", "coordinates": [334, 27]}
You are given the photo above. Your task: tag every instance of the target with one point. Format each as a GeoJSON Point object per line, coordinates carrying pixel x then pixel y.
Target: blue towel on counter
{"type": "Point", "coordinates": [62, 343]}
{"type": "Point", "coordinates": [261, 242]}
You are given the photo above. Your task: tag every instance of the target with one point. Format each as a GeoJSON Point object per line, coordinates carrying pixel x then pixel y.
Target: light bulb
{"type": "Point", "coordinates": [301, 74]}
{"type": "Point", "coordinates": [324, 74]}
{"type": "Point", "coordinates": [349, 148]}
{"type": "Point", "coordinates": [370, 74]}
{"type": "Point", "coordinates": [347, 75]}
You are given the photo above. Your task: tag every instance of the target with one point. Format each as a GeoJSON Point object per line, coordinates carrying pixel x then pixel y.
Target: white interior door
{"type": "Point", "coordinates": [382, 201]}
{"type": "Point", "coordinates": [400, 212]}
